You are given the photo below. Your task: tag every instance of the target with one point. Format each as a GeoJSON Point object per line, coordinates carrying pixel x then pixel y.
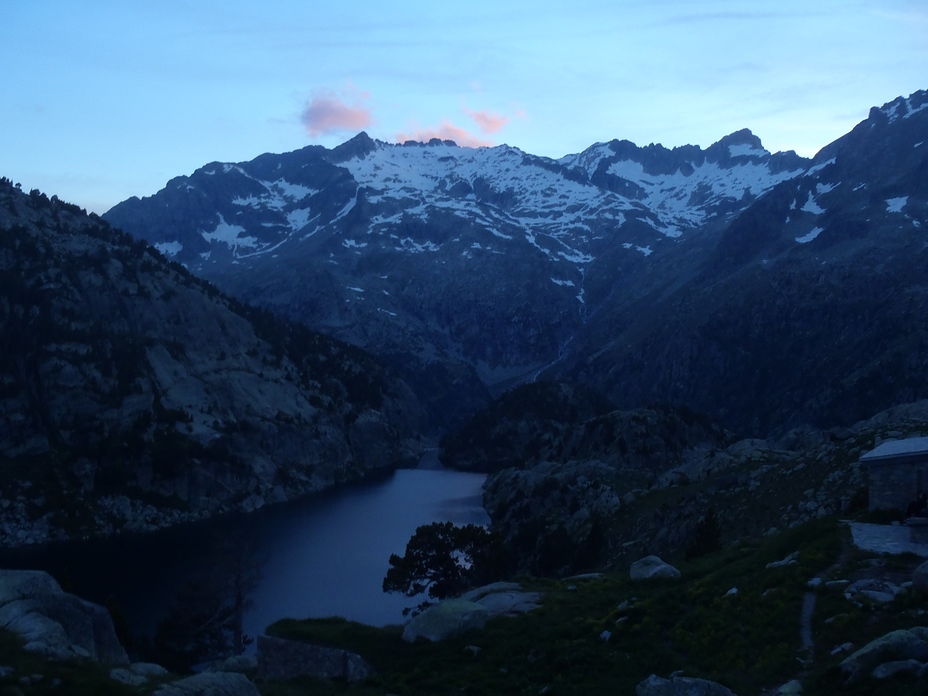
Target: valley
{"type": "Point", "coordinates": [645, 351]}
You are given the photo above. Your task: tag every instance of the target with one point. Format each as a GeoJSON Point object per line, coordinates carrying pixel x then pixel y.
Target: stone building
{"type": "Point", "coordinates": [898, 472]}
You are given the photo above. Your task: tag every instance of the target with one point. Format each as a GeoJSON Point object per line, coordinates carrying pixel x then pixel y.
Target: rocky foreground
{"type": "Point", "coordinates": [603, 492]}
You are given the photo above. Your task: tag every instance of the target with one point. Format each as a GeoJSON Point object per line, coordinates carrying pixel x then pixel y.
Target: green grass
{"type": "Point", "coordinates": [748, 640]}
{"type": "Point", "coordinates": [74, 678]}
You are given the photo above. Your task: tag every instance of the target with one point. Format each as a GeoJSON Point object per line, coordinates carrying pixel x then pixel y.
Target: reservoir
{"type": "Point", "coordinates": [325, 555]}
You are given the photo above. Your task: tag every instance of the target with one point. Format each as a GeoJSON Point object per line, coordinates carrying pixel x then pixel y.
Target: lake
{"type": "Point", "coordinates": [326, 555]}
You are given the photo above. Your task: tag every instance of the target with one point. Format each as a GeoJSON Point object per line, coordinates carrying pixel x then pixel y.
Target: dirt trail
{"type": "Point", "coordinates": [808, 606]}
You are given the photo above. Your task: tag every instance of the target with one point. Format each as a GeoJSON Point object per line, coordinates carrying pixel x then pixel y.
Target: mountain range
{"type": "Point", "coordinates": [767, 290]}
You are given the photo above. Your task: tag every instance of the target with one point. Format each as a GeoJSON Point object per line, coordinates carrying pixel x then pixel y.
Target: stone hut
{"type": "Point", "coordinates": [898, 472]}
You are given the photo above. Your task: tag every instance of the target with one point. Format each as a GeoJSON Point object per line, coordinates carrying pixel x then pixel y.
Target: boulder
{"type": "Point", "coordinates": [874, 589]}
{"type": "Point", "coordinates": [503, 598]}
{"type": "Point", "coordinates": [653, 568]}
{"type": "Point", "coordinates": [920, 577]}
{"type": "Point", "coordinates": [125, 676]}
{"type": "Point", "coordinates": [54, 623]}
{"type": "Point", "coordinates": [789, 560]}
{"type": "Point", "coordinates": [243, 664]}
{"type": "Point", "coordinates": [887, 670]}
{"type": "Point", "coordinates": [279, 658]}
{"type": "Point", "coordinates": [448, 618]}
{"type": "Point", "coordinates": [790, 688]}
{"type": "Point", "coordinates": [210, 684]}
{"type": "Point", "coordinates": [894, 646]}
{"type": "Point", "coordinates": [680, 686]}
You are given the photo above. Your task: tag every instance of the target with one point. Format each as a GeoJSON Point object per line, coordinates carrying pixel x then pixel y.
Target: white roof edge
{"type": "Point", "coordinates": [898, 448]}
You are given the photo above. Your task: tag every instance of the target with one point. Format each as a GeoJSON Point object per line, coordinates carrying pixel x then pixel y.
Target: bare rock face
{"type": "Point", "coordinates": [54, 623]}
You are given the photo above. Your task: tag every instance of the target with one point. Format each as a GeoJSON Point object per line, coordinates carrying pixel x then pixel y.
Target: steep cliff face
{"type": "Point", "coordinates": [133, 394]}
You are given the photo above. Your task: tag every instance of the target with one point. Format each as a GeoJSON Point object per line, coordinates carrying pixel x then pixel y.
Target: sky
{"type": "Point", "coordinates": [104, 100]}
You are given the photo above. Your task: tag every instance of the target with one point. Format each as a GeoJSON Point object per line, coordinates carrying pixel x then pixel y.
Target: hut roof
{"type": "Point", "coordinates": [897, 449]}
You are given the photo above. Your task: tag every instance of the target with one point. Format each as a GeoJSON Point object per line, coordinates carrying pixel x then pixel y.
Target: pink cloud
{"type": "Point", "coordinates": [328, 114]}
{"type": "Point", "coordinates": [446, 131]}
{"type": "Point", "coordinates": [488, 122]}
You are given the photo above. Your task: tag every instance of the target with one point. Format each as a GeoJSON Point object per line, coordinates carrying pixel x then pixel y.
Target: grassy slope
{"type": "Point", "coordinates": [748, 640]}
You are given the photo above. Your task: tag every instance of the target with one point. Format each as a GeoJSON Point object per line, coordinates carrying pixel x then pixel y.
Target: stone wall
{"type": "Point", "coordinates": [895, 485]}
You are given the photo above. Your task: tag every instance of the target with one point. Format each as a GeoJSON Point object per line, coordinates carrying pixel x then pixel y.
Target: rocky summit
{"type": "Point", "coordinates": [654, 274]}
{"type": "Point", "coordinates": [134, 396]}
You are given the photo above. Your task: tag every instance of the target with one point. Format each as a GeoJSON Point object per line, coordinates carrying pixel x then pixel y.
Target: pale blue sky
{"type": "Point", "coordinates": [107, 99]}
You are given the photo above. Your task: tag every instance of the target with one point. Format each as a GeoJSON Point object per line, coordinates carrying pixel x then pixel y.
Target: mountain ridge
{"type": "Point", "coordinates": [472, 270]}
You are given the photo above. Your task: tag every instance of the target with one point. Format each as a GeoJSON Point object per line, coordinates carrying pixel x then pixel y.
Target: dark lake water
{"type": "Point", "coordinates": [324, 556]}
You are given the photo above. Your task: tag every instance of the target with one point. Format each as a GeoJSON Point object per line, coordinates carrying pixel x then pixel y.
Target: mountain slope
{"type": "Point", "coordinates": [808, 308]}
{"type": "Point", "coordinates": [140, 396]}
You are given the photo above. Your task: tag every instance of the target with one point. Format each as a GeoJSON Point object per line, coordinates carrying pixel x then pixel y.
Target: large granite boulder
{"type": "Point", "coordinates": [279, 658]}
{"type": "Point", "coordinates": [653, 568]}
{"type": "Point", "coordinates": [895, 646]}
{"type": "Point", "coordinates": [448, 618]}
{"type": "Point", "coordinates": [54, 623]}
{"type": "Point", "coordinates": [137, 674]}
{"type": "Point", "coordinates": [210, 684]}
{"type": "Point", "coordinates": [920, 577]}
{"type": "Point", "coordinates": [504, 598]}
{"type": "Point", "coordinates": [681, 686]}
{"type": "Point", "coordinates": [471, 610]}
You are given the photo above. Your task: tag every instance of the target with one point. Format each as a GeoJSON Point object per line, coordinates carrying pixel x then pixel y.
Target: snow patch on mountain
{"type": "Point", "coordinates": [230, 235]}
{"type": "Point", "coordinates": [810, 206]}
{"type": "Point", "coordinates": [407, 244]}
{"type": "Point", "coordinates": [299, 218]}
{"type": "Point", "coordinates": [169, 248]}
{"type": "Point", "coordinates": [903, 107]}
{"type": "Point", "coordinates": [746, 150]}
{"type": "Point", "coordinates": [811, 171]}
{"type": "Point", "coordinates": [915, 110]}
{"type": "Point", "coordinates": [575, 256]}
{"type": "Point", "coordinates": [294, 192]}
{"type": "Point", "coordinates": [251, 201]}
{"type": "Point", "coordinates": [806, 238]}
{"type": "Point", "coordinates": [675, 197]}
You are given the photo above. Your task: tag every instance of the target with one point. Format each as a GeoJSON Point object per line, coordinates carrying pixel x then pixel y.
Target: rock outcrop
{"type": "Point", "coordinates": [54, 623]}
{"type": "Point", "coordinates": [210, 684]}
{"type": "Point", "coordinates": [279, 658]}
{"type": "Point", "coordinates": [653, 568]}
{"type": "Point", "coordinates": [445, 619]}
{"type": "Point", "coordinates": [680, 686]}
{"type": "Point", "coordinates": [894, 647]}
{"type": "Point", "coordinates": [470, 611]}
